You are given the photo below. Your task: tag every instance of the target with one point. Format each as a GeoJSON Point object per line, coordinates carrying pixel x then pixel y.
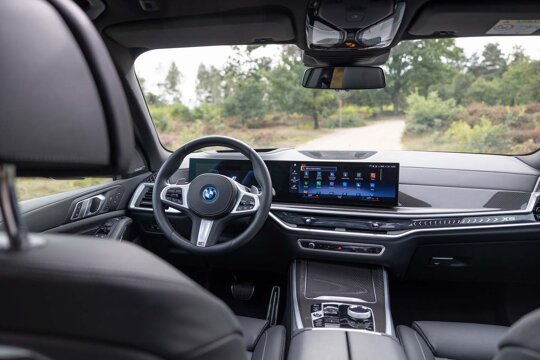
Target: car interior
{"type": "Point", "coordinates": [243, 253]}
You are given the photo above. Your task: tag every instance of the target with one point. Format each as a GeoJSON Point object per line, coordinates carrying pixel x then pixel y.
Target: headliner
{"type": "Point", "coordinates": [182, 23]}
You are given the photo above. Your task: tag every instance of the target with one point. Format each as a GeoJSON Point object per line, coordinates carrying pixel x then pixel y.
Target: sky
{"type": "Point", "coordinates": [153, 65]}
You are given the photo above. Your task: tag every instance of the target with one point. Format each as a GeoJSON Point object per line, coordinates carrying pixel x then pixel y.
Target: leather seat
{"type": "Point", "coordinates": [69, 297]}
{"type": "Point", "coordinates": [262, 342]}
{"type": "Point", "coordinates": [429, 340]}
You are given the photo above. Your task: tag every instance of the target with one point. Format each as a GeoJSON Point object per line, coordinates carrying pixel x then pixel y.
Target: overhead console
{"type": "Point", "coordinates": [323, 182]}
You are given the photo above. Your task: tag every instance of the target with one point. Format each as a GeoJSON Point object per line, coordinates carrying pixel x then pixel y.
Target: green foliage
{"type": "Point", "coordinates": [419, 65]}
{"type": "Point", "coordinates": [493, 62]}
{"type": "Point", "coordinates": [351, 116]}
{"type": "Point", "coordinates": [485, 91]}
{"type": "Point", "coordinates": [207, 112]}
{"type": "Point", "coordinates": [247, 101]}
{"type": "Point", "coordinates": [484, 137]}
{"type": "Point", "coordinates": [431, 113]}
{"type": "Point", "coordinates": [209, 84]}
{"type": "Point", "coordinates": [448, 99]}
{"type": "Point", "coordinates": [166, 116]}
{"type": "Point", "coordinates": [171, 84]}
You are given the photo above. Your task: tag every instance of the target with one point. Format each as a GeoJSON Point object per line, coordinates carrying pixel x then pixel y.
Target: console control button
{"type": "Point", "coordinates": [359, 312]}
{"type": "Point", "coordinates": [366, 249]}
{"type": "Point", "coordinates": [340, 315]}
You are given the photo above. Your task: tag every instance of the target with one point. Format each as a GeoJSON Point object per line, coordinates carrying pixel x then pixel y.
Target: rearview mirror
{"type": "Point", "coordinates": [344, 78]}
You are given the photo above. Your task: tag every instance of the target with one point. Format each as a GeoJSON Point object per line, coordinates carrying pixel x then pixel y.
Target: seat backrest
{"type": "Point", "coordinates": [522, 342]}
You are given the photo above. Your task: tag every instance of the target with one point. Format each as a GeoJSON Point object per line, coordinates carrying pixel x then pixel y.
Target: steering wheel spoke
{"type": "Point", "coordinates": [247, 201]}
{"type": "Point", "coordinates": [205, 232]}
{"type": "Point", "coordinates": [175, 196]}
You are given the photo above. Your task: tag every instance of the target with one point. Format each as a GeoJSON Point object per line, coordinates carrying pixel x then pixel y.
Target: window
{"type": "Point", "coordinates": [30, 188]}
{"type": "Point", "coordinates": [478, 95]}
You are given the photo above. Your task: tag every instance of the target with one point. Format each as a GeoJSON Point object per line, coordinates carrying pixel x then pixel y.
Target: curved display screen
{"type": "Point", "coordinates": [358, 183]}
{"type": "Point", "coordinates": [333, 183]}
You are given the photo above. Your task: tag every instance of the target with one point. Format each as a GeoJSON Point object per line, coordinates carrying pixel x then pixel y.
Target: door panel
{"type": "Point", "coordinates": [55, 213]}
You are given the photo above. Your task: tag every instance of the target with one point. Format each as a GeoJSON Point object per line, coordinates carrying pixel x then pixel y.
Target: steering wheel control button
{"type": "Point", "coordinates": [174, 195]}
{"type": "Point", "coordinates": [246, 203]}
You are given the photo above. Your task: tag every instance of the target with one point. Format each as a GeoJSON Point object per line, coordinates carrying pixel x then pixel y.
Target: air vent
{"type": "Point", "coordinates": [151, 178]}
{"type": "Point", "coordinates": [146, 199]}
{"type": "Point", "coordinates": [339, 155]}
{"type": "Point", "coordinates": [264, 150]}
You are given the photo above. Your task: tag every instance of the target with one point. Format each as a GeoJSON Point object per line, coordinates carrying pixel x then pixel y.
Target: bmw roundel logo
{"type": "Point", "coordinates": [209, 194]}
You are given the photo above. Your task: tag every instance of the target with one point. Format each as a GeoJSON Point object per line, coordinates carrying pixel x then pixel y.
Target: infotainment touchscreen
{"type": "Point", "coordinates": [333, 183]}
{"type": "Point", "coordinates": [356, 183]}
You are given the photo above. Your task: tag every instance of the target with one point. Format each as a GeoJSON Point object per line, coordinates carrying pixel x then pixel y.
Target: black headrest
{"type": "Point", "coordinates": [63, 110]}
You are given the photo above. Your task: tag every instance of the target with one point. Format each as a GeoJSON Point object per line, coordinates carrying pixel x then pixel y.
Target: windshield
{"type": "Point", "coordinates": [478, 95]}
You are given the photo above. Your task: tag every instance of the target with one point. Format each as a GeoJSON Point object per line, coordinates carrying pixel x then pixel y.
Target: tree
{"type": "Point", "coordinates": [520, 82]}
{"type": "Point", "coordinates": [419, 65]}
{"type": "Point", "coordinates": [460, 84]}
{"type": "Point", "coordinates": [518, 54]}
{"type": "Point", "coordinates": [150, 97]}
{"type": "Point", "coordinates": [397, 70]}
{"type": "Point", "coordinates": [248, 101]}
{"type": "Point", "coordinates": [485, 91]}
{"type": "Point", "coordinates": [209, 86]}
{"type": "Point", "coordinates": [434, 61]}
{"type": "Point", "coordinates": [287, 94]}
{"type": "Point", "coordinates": [171, 84]}
{"type": "Point", "coordinates": [493, 62]}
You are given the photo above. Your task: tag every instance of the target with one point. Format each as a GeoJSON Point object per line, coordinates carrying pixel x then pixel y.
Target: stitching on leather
{"type": "Point", "coordinates": [283, 337]}
{"type": "Point", "coordinates": [264, 346]}
{"type": "Point", "coordinates": [420, 345]}
{"type": "Point", "coordinates": [419, 329]}
{"type": "Point", "coordinates": [200, 349]}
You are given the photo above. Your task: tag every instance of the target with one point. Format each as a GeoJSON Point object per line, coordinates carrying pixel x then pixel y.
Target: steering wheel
{"type": "Point", "coordinates": [212, 200]}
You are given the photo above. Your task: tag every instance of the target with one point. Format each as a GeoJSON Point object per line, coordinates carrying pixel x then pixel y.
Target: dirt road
{"type": "Point", "coordinates": [381, 135]}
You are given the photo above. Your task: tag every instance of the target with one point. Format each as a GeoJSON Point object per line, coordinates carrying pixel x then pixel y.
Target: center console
{"type": "Point", "coordinates": [352, 299]}
{"type": "Point", "coordinates": [328, 295]}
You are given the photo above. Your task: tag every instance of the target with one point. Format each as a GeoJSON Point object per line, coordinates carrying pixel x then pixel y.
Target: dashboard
{"type": "Point", "coordinates": [390, 207]}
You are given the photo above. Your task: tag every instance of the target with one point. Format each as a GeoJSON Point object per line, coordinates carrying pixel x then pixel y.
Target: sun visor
{"type": "Point", "coordinates": [261, 26]}
{"type": "Point", "coordinates": [475, 18]}
{"type": "Point", "coordinates": [63, 109]}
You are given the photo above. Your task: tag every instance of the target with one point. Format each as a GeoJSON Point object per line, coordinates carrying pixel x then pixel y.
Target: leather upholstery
{"type": "Point", "coordinates": [13, 353]}
{"type": "Point", "coordinates": [522, 342]}
{"type": "Point", "coordinates": [64, 111]}
{"type": "Point", "coordinates": [262, 342]}
{"type": "Point", "coordinates": [78, 296]}
{"type": "Point", "coordinates": [271, 345]}
{"type": "Point", "coordinates": [328, 344]}
{"type": "Point", "coordinates": [252, 329]}
{"type": "Point", "coordinates": [459, 341]}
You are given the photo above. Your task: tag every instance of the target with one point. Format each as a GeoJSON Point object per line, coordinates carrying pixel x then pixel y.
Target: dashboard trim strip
{"type": "Point", "coordinates": [394, 236]}
{"type": "Point", "coordinates": [404, 215]}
